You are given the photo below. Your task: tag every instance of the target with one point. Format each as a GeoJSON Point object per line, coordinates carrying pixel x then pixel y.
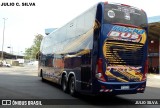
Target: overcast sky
{"type": "Point", "coordinates": [23, 22]}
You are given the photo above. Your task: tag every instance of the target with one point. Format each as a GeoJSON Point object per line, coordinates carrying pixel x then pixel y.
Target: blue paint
{"type": "Point", "coordinates": [127, 29]}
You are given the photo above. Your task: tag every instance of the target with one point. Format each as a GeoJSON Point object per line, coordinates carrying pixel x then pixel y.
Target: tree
{"type": "Point", "coordinates": [36, 45]}
{"type": "Point", "coordinates": [31, 52]}
{"type": "Point", "coordinates": [28, 53]}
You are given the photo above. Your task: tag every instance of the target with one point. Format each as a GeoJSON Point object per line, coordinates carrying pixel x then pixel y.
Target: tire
{"type": "Point", "coordinates": [42, 76]}
{"type": "Point", "coordinates": [64, 84]}
{"type": "Point", "coordinates": [72, 90]}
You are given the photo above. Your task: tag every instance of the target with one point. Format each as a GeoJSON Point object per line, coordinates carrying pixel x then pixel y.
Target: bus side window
{"type": "Point", "coordinates": [50, 62]}
{"type": "Point", "coordinates": [53, 61]}
{"type": "Point", "coordinates": [98, 22]}
{"type": "Point", "coordinates": [96, 29]}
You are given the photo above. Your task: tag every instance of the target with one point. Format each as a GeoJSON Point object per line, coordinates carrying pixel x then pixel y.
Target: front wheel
{"type": "Point", "coordinates": [72, 86]}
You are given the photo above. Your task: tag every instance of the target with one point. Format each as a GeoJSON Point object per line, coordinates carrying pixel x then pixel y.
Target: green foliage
{"type": "Point", "coordinates": [31, 53]}
{"type": "Point", "coordinates": [28, 53]}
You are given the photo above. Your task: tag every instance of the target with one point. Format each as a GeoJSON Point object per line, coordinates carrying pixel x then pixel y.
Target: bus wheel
{"type": "Point", "coordinates": [72, 86]}
{"type": "Point", "coordinates": [64, 84]}
{"type": "Point", "coordinates": [42, 76]}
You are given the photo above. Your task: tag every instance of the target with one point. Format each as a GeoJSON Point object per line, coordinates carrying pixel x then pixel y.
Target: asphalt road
{"type": "Point", "coordinates": [23, 83]}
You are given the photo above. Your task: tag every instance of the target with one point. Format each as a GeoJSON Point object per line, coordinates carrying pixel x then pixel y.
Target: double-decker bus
{"type": "Point", "coordinates": [103, 50]}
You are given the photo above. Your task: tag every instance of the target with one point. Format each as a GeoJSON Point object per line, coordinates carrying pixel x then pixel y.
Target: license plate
{"type": "Point", "coordinates": [124, 87]}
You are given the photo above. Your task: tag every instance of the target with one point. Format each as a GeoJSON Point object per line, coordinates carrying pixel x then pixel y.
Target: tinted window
{"type": "Point", "coordinates": [124, 14]}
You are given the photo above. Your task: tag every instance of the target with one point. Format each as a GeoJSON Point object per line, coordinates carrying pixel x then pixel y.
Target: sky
{"type": "Point", "coordinates": [24, 22]}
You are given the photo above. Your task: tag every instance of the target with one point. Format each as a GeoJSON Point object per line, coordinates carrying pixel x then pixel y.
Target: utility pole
{"type": "Point", "coordinates": [3, 39]}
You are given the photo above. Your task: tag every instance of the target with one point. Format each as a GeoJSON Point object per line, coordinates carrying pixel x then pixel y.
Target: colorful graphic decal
{"type": "Point", "coordinates": [128, 34]}
{"type": "Point", "coordinates": [116, 65]}
{"type": "Point", "coordinates": [111, 14]}
{"type": "Point", "coordinates": [129, 72]}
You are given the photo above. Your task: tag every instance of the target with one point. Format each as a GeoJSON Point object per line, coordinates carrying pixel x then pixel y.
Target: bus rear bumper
{"type": "Point", "coordinates": [120, 88]}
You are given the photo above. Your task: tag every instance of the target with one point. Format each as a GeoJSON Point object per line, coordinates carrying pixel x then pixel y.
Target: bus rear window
{"type": "Point", "coordinates": [124, 14]}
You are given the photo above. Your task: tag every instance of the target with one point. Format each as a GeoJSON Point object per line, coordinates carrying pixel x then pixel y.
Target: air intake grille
{"type": "Point", "coordinates": [123, 52]}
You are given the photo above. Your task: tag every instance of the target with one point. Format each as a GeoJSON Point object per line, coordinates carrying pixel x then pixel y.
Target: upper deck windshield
{"type": "Point", "coordinates": [114, 13]}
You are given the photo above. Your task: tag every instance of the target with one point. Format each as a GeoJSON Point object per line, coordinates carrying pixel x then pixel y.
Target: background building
{"type": "Point", "coordinates": [154, 44]}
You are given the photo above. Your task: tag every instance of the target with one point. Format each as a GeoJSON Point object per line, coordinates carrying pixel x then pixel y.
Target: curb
{"type": "Point", "coordinates": [153, 76]}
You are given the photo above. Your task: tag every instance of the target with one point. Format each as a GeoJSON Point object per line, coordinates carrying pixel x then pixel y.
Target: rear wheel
{"type": "Point", "coordinates": [72, 86]}
{"type": "Point", "coordinates": [64, 84]}
{"type": "Point", "coordinates": [42, 76]}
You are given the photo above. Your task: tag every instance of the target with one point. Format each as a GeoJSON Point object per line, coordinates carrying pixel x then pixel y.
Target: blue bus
{"type": "Point", "coordinates": [103, 50]}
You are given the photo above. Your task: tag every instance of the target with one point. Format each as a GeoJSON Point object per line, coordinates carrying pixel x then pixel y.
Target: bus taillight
{"type": "Point", "coordinates": [99, 73]}
{"type": "Point", "coordinates": [142, 10]}
{"type": "Point", "coordinates": [145, 71]}
{"type": "Point", "coordinates": [106, 2]}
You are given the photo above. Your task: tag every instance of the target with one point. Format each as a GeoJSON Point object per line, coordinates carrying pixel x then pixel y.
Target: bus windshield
{"type": "Point", "coordinates": [114, 13]}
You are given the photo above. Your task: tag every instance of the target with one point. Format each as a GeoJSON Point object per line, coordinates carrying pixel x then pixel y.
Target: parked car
{"type": "Point", "coordinates": [4, 63]}
{"type": "Point", "coordinates": [7, 65]}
